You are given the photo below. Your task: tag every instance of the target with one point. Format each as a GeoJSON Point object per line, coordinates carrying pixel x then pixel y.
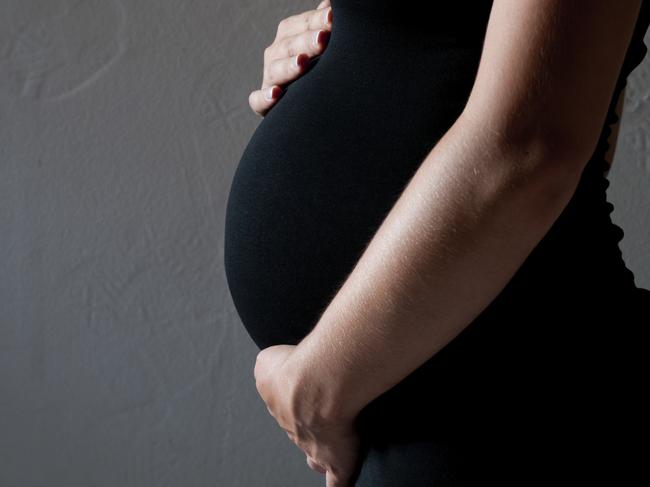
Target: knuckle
{"type": "Point", "coordinates": [282, 45]}
{"type": "Point", "coordinates": [315, 465]}
{"type": "Point", "coordinates": [269, 77]}
{"type": "Point", "coordinates": [292, 48]}
{"type": "Point", "coordinates": [253, 107]}
{"type": "Point", "coordinates": [268, 53]}
{"type": "Point", "coordinates": [311, 41]}
{"type": "Point", "coordinates": [289, 47]}
{"type": "Point", "coordinates": [282, 25]}
{"type": "Point", "coordinates": [295, 71]}
{"type": "Point", "coordinates": [336, 481]}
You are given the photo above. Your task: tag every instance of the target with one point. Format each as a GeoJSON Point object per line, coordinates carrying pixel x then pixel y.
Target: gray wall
{"type": "Point", "coordinates": [122, 359]}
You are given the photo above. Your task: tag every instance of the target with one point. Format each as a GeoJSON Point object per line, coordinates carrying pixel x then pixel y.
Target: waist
{"type": "Point", "coordinates": [590, 235]}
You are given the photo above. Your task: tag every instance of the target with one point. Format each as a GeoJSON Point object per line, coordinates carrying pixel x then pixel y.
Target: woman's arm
{"type": "Point", "coordinates": [480, 202]}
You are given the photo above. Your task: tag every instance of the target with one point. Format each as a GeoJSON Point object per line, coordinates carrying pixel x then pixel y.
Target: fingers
{"type": "Point", "coordinates": [270, 412]}
{"type": "Point", "coordinates": [314, 466]}
{"type": "Point", "coordinates": [299, 38]}
{"type": "Point", "coordinates": [333, 479]}
{"type": "Point", "coordinates": [319, 18]}
{"type": "Point", "coordinates": [297, 51]}
{"type": "Point", "coordinates": [260, 102]}
{"type": "Point", "coordinates": [280, 57]}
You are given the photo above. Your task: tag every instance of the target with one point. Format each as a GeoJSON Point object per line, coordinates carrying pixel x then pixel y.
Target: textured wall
{"type": "Point", "coordinates": [122, 360]}
{"type": "Point", "coordinates": [629, 177]}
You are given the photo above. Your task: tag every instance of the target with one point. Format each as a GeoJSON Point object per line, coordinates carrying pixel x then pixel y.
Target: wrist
{"type": "Point", "coordinates": [316, 394]}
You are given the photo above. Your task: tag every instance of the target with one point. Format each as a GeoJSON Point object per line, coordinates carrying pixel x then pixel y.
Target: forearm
{"type": "Point", "coordinates": [461, 228]}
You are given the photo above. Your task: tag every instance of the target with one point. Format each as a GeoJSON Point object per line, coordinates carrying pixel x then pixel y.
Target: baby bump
{"type": "Point", "coordinates": [314, 183]}
{"type": "Point", "coordinates": [308, 194]}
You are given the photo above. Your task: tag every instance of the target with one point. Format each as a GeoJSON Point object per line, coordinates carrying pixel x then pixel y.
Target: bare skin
{"type": "Point", "coordinates": [481, 200]}
{"type": "Point", "coordinates": [299, 39]}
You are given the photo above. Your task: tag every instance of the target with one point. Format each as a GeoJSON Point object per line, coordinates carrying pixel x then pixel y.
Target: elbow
{"type": "Point", "coordinates": [545, 153]}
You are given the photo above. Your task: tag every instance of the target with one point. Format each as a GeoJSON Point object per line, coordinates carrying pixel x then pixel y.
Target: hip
{"type": "Point", "coordinates": [539, 370]}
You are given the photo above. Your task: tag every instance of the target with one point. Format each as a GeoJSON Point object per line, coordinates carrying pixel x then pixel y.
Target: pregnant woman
{"type": "Point", "coordinates": [418, 238]}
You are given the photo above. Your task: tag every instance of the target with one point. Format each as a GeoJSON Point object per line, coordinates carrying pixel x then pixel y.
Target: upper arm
{"type": "Point", "coordinates": [548, 71]}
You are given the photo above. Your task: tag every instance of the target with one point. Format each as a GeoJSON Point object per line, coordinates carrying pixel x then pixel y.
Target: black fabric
{"type": "Point", "coordinates": [320, 173]}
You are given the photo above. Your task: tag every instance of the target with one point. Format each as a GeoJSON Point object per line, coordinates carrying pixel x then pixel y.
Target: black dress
{"type": "Point", "coordinates": [545, 380]}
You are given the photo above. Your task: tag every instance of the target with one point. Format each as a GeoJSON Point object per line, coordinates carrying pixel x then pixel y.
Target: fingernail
{"type": "Point", "coordinates": [317, 38]}
{"type": "Point", "coordinates": [326, 15]}
{"type": "Point", "coordinates": [268, 94]}
{"type": "Point", "coordinates": [294, 61]}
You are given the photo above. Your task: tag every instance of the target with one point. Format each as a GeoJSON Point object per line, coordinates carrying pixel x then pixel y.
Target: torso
{"type": "Point", "coordinates": [328, 162]}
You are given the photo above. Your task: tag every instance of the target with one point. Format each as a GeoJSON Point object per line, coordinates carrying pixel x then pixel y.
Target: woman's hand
{"type": "Point", "coordinates": [299, 38]}
{"type": "Point", "coordinates": [332, 445]}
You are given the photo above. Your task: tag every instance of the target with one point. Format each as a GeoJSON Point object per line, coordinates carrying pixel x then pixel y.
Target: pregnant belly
{"type": "Point", "coordinates": [328, 162]}
{"type": "Point", "coordinates": [321, 172]}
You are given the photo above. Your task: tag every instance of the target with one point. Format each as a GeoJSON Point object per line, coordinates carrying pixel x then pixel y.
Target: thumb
{"type": "Point", "coordinates": [335, 480]}
{"type": "Point", "coordinates": [270, 357]}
